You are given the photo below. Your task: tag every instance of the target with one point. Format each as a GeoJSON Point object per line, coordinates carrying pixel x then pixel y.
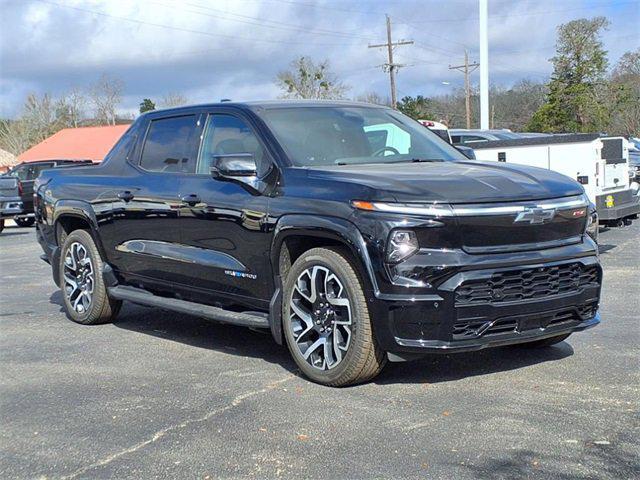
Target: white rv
{"type": "Point", "coordinates": [600, 164]}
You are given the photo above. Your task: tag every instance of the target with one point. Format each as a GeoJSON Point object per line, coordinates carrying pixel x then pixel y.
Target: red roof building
{"type": "Point", "coordinates": [84, 143]}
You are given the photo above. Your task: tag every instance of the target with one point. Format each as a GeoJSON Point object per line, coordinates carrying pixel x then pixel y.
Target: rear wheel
{"type": "Point", "coordinates": [326, 320]}
{"type": "Point", "coordinates": [1, 225]}
{"type": "Point", "coordinates": [547, 342]}
{"type": "Point", "coordinates": [25, 222]}
{"type": "Point", "coordinates": [85, 294]}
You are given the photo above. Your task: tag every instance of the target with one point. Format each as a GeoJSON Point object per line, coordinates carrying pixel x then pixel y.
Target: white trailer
{"type": "Point", "coordinates": [600, 164]}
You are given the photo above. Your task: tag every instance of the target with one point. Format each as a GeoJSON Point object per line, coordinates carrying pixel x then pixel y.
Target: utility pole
{"type": "Point", "coordinates": [467, 68]}
{"type": "Point", "coordinates": [392, 67]}
{"type": "Point", "coordinates": [484, 66]}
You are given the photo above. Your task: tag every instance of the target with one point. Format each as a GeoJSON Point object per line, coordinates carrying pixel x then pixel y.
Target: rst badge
{"type": "Point", "coordinates": [235, 273]}
{"type": "Point", "coordinates": [535, 215]}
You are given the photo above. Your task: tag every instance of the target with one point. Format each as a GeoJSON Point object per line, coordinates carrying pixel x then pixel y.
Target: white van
{"type": "Point", "coordinates": [600, 164]}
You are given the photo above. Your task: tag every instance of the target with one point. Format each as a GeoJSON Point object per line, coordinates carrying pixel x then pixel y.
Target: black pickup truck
{"type": "Point", "coordinates": [350, 231]}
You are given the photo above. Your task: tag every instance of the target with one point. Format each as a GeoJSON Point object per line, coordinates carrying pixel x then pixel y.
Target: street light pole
{"type": "Point", "coordinates": [484, 66]}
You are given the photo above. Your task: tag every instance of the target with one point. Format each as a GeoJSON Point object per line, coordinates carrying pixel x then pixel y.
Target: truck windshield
{"type": "Point", "coordinates": [335, 135]}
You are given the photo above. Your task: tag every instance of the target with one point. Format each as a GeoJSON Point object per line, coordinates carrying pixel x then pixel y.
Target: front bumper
{"type": "Point", "coordinates": [622, 204]}
{"type": "Point", "coordinates": [515, 303]}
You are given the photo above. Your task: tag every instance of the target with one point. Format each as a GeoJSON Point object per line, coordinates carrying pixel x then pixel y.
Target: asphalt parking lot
{"type": "Point", "coordinates": [161, 395]}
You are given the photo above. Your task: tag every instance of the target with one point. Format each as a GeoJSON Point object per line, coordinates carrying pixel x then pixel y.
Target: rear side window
{"type": "Point", "coordinates": [169, 146]}
{"type": "Point", "coordinates": [472, 138]}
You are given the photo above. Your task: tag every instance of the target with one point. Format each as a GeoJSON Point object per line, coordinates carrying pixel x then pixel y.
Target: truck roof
{"type": "Point", "coordinates": [271, 104]}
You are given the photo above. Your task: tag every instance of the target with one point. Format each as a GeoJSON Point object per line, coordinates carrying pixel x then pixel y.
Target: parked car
{"type": "Point", "coordinates": [461, 136]}
{"type": "Point", "coordinates": [293, 217]}
{"type": "Point", "coordinates": [10, 199]}
{"type": "Point", "coordinates": [442, 131]}
{"type": "Point", "coordinates": [27, 173]}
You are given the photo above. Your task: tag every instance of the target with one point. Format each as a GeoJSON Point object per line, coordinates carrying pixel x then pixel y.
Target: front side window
{"type": "Point", "coordinates": [337, 135]}
{"type": "Point", "coordinates": [229, 135]}
{"type": "Point", "coordinates": [168, 146]}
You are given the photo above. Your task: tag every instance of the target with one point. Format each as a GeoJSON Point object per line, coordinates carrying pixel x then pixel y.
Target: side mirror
{"type": "Point", "coordinates": [234, 165]}
{"type": "Point", "coordinates": [466, 151]}
{"type": "Point", "coordinates": [240, 168]}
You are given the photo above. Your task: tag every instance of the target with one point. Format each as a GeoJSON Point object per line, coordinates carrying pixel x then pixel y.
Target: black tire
{"type": "Point", "coordinates": [1, 225]}
{"type": "Point", "coordinates": [100, 308]}
{"type": "Point", "coordinates": [25, 222]}
{"type": "Point", "coordinates": [546, 342]}
{"type": "Point", "coordinates": [363, 359]}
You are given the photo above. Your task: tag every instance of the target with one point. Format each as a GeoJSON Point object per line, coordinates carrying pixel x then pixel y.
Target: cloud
{"type": "Point", "coordinates": [208, 49]}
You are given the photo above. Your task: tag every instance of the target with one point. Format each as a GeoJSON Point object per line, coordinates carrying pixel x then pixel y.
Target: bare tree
{"type": "Point", "coordinates": [373, 97]}
{"type": "Point", "coordinates": [309, 80]}
{"type": "Point", "coordinates": [173, 99]}
{"type": "Point", "coordinates": [624, 95]}
{"type": "Point", "coordinates": [15, 136]}
{"type": "Point", "coordinates": [39, 116]}
{"type": "Point", "coordinates": [71, 108]}
{"type": "Point", "coordinates": [106, 95]}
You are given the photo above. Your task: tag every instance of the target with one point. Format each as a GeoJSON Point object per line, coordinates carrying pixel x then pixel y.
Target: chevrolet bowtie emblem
{"type": "Point", "coordinates": [535, 215]}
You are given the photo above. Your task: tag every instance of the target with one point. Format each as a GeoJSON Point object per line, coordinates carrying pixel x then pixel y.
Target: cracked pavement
{"type": "Point", "coordinates": [163, 395]}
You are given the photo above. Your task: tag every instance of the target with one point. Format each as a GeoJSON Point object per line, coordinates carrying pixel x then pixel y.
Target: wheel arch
{"type": "Point", "coordinates": [70, 215]}
{"type": "Point", "coordinates": [296, 234]}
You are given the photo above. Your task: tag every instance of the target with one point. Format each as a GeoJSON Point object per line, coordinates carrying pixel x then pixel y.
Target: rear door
{"type": "Point", "coordinates": [143, 236]}
{"type": "Point", "coordinates": [616, 168]}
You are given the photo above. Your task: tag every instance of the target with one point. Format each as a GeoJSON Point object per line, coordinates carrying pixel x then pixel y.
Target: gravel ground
{"type": "Point", "coordinates": [160, 395]}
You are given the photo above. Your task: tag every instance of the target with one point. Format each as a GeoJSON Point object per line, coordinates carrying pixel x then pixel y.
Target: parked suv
{"type": "Point", "coordinates": [296, 217]}
{"type": "Point", "coordinates": [27, 173]}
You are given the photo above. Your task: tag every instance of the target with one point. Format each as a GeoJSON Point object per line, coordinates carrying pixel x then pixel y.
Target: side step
{"type": "Point", "coordinates": [137, 295]}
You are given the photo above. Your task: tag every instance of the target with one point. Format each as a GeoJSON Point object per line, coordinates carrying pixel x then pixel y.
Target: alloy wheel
{"type": "Point", "coordinates": [79, 277]}
{"type": "Point", "coordinates": [320, 317]}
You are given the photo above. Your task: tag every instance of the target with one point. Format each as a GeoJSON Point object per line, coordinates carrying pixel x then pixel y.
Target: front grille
{"type": "Point", "coordinates": [467, 329]}
{"type": "Point", "coordinates": [527, 284]}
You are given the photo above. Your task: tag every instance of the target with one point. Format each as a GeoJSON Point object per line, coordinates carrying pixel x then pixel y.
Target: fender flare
{"type": "Point", "coordinates": [332, 228]}
{"type": "Point", "coordinates": [82, 210]}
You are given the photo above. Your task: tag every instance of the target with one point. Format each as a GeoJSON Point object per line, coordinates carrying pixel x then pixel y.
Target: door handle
{"type": "Point", "coordinates": [190, 199]}
{"type": "Point", "coordinates": [125, 195]}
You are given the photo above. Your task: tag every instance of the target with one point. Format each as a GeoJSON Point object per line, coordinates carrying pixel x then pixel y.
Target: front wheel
{"type": "Point", "coordinates": [85, 294]}
{"type": "Point", "coordinates": [25, 222]}
{"type": "Point", "coordinates": [326, 320]}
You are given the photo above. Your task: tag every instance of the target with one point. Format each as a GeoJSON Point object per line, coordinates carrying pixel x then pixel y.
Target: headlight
{"type": "Point", "coordinates": [401, 245]}
{"type": "Point", "coordinates": [592, 226]}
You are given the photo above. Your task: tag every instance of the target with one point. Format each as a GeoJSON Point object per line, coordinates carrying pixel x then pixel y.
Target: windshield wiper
{"type": "Point", "coordinates": [420, 160]}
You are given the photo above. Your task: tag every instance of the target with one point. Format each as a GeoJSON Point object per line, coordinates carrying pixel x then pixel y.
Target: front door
{"type": "Point", "coordinates": [225, 224]}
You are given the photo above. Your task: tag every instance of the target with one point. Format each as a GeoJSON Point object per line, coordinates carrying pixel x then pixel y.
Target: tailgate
{"type": "Point", "coordinates": [9, 187]}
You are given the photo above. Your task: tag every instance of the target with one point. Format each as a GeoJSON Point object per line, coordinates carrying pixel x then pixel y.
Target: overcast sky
{"type": "Point", "coordinates": [213, 49]}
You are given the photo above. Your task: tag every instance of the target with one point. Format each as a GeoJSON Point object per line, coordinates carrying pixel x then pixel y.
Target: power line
{"type": "Point", "coordinates": [390, 65]}
{"type": "Point", "coordinates": [249, 20]}
{"type": "Point", "coordinates": [466, 68]}
{"type": "Point", "coordinates": [181, 29]}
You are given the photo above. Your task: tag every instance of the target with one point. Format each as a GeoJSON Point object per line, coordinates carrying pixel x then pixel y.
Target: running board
{"type": "Point", "coordinates": [137, 295]}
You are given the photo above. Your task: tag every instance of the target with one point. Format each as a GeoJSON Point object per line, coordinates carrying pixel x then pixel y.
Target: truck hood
{"type": "Point", "coordinates": [452, 182]}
